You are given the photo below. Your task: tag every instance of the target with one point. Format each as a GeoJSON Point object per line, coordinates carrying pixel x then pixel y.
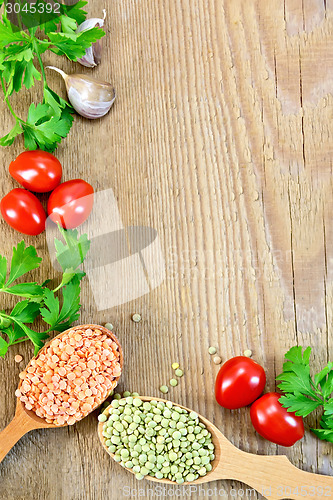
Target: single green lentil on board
{"type": "Point", "coordinates": [164, 389]}
{"type": "Point", "coordinates": [173, 382]}
{"type": "Point", "coordinates": [212, 350]}
{"type": "Point", "coordinates": [175, 446]}
{"type": "Point", "coordinates": [136, 318]}
{"type": "Point", "coordinates": [179, 372]}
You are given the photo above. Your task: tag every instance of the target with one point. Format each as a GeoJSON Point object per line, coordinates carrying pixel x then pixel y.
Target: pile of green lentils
{"type": "Point", "coordinates": [157, 439]}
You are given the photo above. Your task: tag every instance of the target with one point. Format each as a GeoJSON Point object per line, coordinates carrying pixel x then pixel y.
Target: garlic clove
{"type": "Point", "coordinates": [91, 98]}
{"type": "Point", "coordinates": [93, 54]}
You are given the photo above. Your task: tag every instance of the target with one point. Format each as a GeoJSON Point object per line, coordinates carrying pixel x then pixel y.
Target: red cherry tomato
{"type": "Point", "coordinates": [23, 212]}
{"type": "Point", "coordinates": [70, 203]}
{"type": "Point", "coordinates": [37, 171]}
{"type": "Point", "coordinates": [275, 423]}
{"type": "Point", "coordinates": [239, 382]}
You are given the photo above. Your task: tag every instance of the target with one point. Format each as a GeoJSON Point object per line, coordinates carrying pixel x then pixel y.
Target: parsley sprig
{"type": "Point", "coordinates": [21, 65]}
{"type": "Point", "coordinates": [39, 300]}
{"type": "Point", "coordinates": [304, 393]}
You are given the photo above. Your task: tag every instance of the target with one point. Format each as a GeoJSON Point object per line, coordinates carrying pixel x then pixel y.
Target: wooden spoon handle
{"type": "Point", "coordinates": [275, 477]}
{"type": "Point", "coordinates": [13, 433]}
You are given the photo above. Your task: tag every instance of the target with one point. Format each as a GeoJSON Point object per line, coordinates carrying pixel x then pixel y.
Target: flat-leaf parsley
{"type": "Point", "coordinates": [39, 300]}
{"type": "Point", "coordinates": [21, 66]}
{"type": "Point", "coordinates": [304, 393]}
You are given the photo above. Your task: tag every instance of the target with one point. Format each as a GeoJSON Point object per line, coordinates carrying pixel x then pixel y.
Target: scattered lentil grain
{"type": "Point", "coordinates": [247, 353]}
{"type": "Point", "coordinates": [109, 326]}
{"type": "Point", "coordinates": [212, 350]}
{"type": "Point", "coordinates": [164, 389]}
{"type": "Point", "coordinates": [18, 358]}
{"type": "Point", "coordinates": [179, 372]}
{"type": "Point", "coordinates": [174, 366]}
{"type": "Point", "coordinates": [217, 360]}
{"type": "Point", "coordinates": [173, 382]}
{"type": "Point", "coordinates": [136, 318]}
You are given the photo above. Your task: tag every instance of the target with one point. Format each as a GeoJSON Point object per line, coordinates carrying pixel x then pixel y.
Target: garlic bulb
{"type": "Point", "coordinates": [91, 98]}
{"type": "Point", "coordinates": [93, 54]}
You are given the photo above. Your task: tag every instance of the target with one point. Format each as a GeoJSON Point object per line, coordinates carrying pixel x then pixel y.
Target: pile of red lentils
{"type": "Point", "coordinates": [71, 377]}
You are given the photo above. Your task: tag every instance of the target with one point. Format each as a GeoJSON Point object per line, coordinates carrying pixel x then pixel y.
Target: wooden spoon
{"type": "Point", "coordinates": [273, 477]}
{"type": "Point", "coordinates": [25, 420]}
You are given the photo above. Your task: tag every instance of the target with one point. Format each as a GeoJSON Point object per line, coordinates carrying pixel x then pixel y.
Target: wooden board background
{"type": "Point", "coordinates": [221, 139]}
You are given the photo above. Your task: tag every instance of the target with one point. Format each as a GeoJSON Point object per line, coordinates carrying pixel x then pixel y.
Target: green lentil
{"type": "Point", "coordinates": [179, 372]}
{"type": "Point", "coordinates": [173, 382]}
{"type": "Point", "coordinates": [158, 439]}
{"type": "Point", "coordinates": [164, 389]}
{"type": "Point", "coordinates": [212, 350]}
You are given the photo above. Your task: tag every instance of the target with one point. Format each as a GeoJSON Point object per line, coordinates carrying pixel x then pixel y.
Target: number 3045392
{"type": "Point", "coordinates": [306, 491]}
{"type": "Point", "coordinates": [32, 8]}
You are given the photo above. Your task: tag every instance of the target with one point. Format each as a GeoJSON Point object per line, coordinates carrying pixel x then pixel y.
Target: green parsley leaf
{"type": "Point", "coordinates": [47, 123]}
{"type": "Point", "coordinates": [50, 311]}
{"type": "Point", "coordinates": [28, 290]}
{"type": "Point", "coordinates": [296, 355]}
{"type": "Point", "coordinates": [324, 380]}
{"type": "Point", "coordinates": [3, 270]}
{"type": "Point", "coordinates": [328, 407]}
{"type": "Point", "coordinates": [303, 394]}
{"type": "Point", "coordinates": [39, 299]}
{"type": "Point", "coordinates": [69, 15]}
{"type": "Point", "coordinates": [68, 24]}
{"type": "Point", "coordinates": [71, 305]}
{"type": "Point", "coordinates": [324, 434]}
{"type": "Point", "coordinates": [76, 11]}
{"type": "Point", "coordinates": [60, 321]}
{"type": "Point", "coordinates": [8, 139]}
{"type": "Point", "coordinates": [14, 332]}
{"type": "Point", "coordinates": [44, 129]}
{"type": "Point", "coordinates": [24, 259]}
{"type": "Point", "coordinates": [74, 45]}
{"type": "Point", "coordinates": [25, 311]}
{"type": "Point", "coordinates": [72, 253]}
{"type": "Point", "coordinates": [3, 347]}
{"type": "Point", "coordinates": [8, 35]}
{"type": "Point", "coordinates": [295, 378]}
{"type": "Point", "coordinates": [2, 58]}
{"type": "Point", "coordinates": [31, 74]}
{"type": "Point", "coordinates": [57, 104]}
{"type": "Point", "coordinates": [35, 337]}
{"type": "Point", "coordinates": [328, 388]}
{"type": "Point", "coordinates": [300, 404]}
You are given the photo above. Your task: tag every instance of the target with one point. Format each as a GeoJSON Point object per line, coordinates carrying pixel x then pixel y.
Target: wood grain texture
{"type": "Point", "coordinates": [221, 139]}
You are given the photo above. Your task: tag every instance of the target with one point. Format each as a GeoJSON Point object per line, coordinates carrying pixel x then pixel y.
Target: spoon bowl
{"type": "Point", "coordinates": [26, 420]}
{"type": "Point", "coordinates": [273, 476]}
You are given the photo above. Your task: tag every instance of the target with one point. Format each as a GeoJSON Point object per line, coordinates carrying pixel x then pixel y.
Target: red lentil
{"type": "Point", "coordinates": [71, 377]}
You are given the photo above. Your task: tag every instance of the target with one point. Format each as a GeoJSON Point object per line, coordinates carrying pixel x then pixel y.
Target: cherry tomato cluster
{"type": "Point", "coordinates": [69, 203]}
{"type": "Point", "coordinates": [239, 383]}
